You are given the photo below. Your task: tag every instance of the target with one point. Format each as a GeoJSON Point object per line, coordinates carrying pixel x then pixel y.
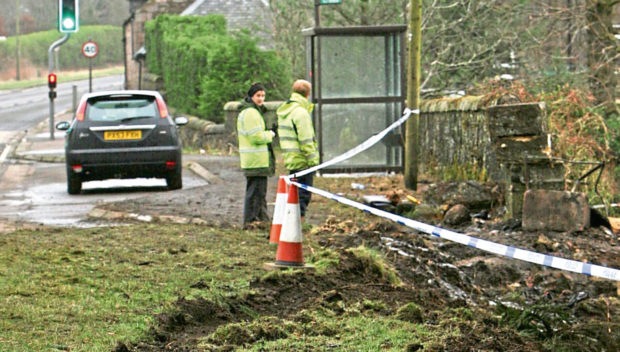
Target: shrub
{"type": "Point", "coordinates": [203, 66]}
{"type": "Point", "coordinates": [34, 48]}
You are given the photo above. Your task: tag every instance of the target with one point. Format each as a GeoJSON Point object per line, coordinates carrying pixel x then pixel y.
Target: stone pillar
{"type": "Point", "coordinates": [519, 135]}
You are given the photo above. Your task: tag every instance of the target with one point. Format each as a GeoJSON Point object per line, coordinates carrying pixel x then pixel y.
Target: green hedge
{"type": "Point", "coordinates": [203, 66]}
{"type": "Point", "coordinates": [34, 48]}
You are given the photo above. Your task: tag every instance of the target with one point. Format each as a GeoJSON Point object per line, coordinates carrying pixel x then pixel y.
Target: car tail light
{"type": "Point", "coordinates": [81, 110]}
{"type": "Point", "coordinates": [170, 165]}
{"type": "Point", "coordinates": [163, 110]}
{"type": "Point", "coordinates": [76, 168]}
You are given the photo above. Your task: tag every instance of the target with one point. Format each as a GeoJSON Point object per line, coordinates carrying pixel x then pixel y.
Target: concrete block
{"type": "Point", "coordinates": [517, 120]}
{"type": "Point", "coordinates": [562, 211]}
{"type": "Point", "coordinates": [615, 224]}
{"type": "Point", "coordinates": [544, 175]}
{"type": "Point", "coordinates": [538, 174]}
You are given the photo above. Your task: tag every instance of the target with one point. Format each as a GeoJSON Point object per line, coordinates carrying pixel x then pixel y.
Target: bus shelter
{"type": "Point", "coordinates": [358, 87]}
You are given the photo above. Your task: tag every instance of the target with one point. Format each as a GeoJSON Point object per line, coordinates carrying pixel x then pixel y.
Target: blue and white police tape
{"type": "Point", "coordinates": [361, 147]}
{"type": "Point", "coordinates": [488, 246]}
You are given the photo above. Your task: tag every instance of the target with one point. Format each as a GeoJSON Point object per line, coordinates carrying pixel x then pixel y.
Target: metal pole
{"type": "Point", "coordinates": [90, 75]}
{"type": "Point", "coordinates": [74, 106]}
{"type": "Point", "coordinates": [50, 53]}
{"type": "Point", "coordinates": [317, 19]}
{"type": "Point", "coordinates": [139, 74]}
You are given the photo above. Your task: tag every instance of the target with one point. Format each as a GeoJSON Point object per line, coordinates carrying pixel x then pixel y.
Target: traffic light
{"type": "Point", "coordinates": [51, 80]}
{"type": "Point", "coordinates": [68, 16]}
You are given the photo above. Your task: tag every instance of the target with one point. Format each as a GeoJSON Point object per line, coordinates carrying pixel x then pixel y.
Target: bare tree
{"type": "Point", "coordinates": [602, 53]}
{"type": "Point", "coordinates": [543, 42]}
{"type": "Point", "coordinates": [290, 17]}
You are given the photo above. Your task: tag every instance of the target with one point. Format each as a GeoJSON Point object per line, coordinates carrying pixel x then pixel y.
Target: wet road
{"type": "Point", "coordinates": [23, 109]}
{"type": "Point", "coordinates": [35, 191]}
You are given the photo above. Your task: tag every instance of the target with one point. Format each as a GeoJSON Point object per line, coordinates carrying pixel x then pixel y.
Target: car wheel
{"type": "Point", "coordinates": [74, 184]}
{"type": "Point", "coordinates": [174, 180]}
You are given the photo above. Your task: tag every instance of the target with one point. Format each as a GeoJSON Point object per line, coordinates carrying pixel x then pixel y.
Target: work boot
{"type": "Point", "coordinates": [255, 225]}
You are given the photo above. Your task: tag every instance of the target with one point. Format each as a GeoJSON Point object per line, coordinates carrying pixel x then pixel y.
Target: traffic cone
{"type": "Point", "coordinates": [289, 253]}
{"type": "Point", "coordinates": [278, 212]}
{"type": "Point", "coordinates": [289, 249]}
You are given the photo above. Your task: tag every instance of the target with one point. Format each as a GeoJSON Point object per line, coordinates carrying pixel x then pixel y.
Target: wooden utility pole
{"type": "Point", "coordinates": [413, 94]}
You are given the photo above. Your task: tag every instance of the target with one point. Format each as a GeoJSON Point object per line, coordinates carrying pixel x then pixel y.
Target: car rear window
{"type": "Point", "coordinates": [121, 109]}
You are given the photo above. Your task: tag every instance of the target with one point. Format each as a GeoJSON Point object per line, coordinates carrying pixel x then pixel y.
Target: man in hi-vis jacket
{"type": "Point", "coordinates": [297, 138]}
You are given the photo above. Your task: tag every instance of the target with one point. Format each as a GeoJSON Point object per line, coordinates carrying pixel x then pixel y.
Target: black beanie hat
{"type": "Point", "coordinates": [256, 87]}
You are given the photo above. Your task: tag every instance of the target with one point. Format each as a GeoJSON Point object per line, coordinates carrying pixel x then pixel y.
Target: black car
{"type": "Point", "coordinates": [122, 134]}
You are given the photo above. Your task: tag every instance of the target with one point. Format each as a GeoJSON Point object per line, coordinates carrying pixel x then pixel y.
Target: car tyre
{"type": "Point", "coordinates": [74, 184]}
{"type": "Point", "coordinates": [174, 180]}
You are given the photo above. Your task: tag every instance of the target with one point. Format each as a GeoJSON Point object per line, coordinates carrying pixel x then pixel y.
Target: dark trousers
{"type": "Point", "coordinates": [304, 196]}
{"type": "Point", "coordinates": [255, 207]}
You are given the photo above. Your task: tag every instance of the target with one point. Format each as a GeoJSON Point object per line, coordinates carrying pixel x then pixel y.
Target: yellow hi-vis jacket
{"type": "Point", "coordinates": [296, 133]}
{"type": "Point", "coordinates": [253, 141]}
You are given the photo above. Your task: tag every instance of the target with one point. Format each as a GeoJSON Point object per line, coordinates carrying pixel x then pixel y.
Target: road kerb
{"type": "Point", "coordinates": [204, 173]}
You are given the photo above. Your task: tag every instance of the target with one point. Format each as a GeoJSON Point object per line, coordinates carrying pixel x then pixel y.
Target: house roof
{"type": "Point", "coordinates": [254, 15]}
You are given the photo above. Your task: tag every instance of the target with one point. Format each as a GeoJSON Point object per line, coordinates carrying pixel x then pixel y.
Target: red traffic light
{"type": "Point", "coordinates": [51, 80]}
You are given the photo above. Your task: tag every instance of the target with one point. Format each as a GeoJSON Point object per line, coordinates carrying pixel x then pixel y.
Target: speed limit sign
{"type": "Point", "coordinates": [90, 49]}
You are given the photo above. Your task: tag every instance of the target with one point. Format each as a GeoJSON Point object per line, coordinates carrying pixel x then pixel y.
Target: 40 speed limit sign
{"type": "Point", "coordinates": [90, 49]}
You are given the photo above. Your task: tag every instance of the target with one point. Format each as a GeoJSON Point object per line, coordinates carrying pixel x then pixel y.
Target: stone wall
{"type": "Point", "coordinates": [202, 134]}
{"type": "Point", "coordinates": [509, 142]}
{"type": "Point", "coordinates": [453, 133]}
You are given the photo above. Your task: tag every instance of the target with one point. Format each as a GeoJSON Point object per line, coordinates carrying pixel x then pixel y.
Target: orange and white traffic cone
{"type": "Point", "coordinates": [289, 253]}
{"type": "Point", "coordinates": [289, 249]}
{"type": "Point", "coordinates": [278, 212]}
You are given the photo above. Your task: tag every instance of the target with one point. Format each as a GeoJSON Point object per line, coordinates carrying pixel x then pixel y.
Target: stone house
{"type": "Point", "coordinates": [133, 34]}
{"type": "Point", "coordinates": [240, 14]}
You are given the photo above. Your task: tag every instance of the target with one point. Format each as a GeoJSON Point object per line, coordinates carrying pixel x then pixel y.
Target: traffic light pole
{"type": "Point", "coordinates": [52, 93]}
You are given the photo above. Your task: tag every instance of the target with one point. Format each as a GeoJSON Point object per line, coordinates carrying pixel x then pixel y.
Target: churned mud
{"type": "Point", "coordinates": [502, 304]}
{"type": "Point", "coordinates": [501, 300]}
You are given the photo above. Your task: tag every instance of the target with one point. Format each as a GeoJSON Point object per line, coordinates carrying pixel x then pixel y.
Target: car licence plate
{"type": "Point", "coordinates": [122, 135]}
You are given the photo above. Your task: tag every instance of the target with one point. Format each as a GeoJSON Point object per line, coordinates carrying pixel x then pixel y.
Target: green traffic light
{"type": "Point", "coordinates": [68, 23]}
{"type": "Point", "coordinates": [68, 15]}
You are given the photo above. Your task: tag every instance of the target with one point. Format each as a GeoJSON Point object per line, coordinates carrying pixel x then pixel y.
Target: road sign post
{"type": "Point", "coordinates": [90, 49]}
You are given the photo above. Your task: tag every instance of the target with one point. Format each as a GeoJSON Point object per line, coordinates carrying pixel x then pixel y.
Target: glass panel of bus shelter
{"type": "Point", "coordinates": [345, 126]}
{"type": "Point", "coordinates": [360, 66]}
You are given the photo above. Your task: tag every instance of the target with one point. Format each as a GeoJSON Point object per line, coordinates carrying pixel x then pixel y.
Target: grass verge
{"type": "Point", "coordinates": [89, 289]}
{"type": "Point", "coordinates": [64, 76]}
{"type": "Point", "coordinates": [86, 289]}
